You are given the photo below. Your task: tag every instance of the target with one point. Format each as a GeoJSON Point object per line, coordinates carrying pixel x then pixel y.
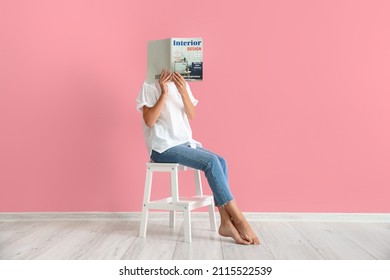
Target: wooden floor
{"type": "Point", "coordinates": [29, 237]}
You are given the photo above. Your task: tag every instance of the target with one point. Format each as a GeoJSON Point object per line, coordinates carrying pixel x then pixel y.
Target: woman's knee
{"type": "Point", "coordinates": [213, 162]}
{"type": "Point", "coordinates": [222, 161]}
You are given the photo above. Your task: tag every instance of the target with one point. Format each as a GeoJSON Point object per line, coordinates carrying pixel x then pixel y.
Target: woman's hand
{"type": "Point", "coordinates": [182, 88]}
{"type": "Point", "coordinates": [179, 82]}
{"type": "Point", "coordinates": [165, 77]}
{"type": "Point", "coordinates": [152, 114]}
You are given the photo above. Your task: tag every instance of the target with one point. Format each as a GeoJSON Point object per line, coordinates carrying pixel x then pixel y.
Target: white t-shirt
{"type": "Point", "coordinates": [172, 127]}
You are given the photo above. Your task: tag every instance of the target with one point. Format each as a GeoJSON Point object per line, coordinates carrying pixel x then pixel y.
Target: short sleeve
{"type": "Point", "coordinates": [192, 98]}
{"type": "Point", "coordinates": [147, 96]}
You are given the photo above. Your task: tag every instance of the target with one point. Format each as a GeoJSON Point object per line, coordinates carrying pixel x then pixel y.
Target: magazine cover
{"type": "Point", "coordinates": [182, 55]}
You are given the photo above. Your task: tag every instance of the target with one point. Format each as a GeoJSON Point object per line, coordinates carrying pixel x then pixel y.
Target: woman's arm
{"type": "Point", "coordinates": [181, 87]}
{"type": "Point", "coordinates": [152, 114]}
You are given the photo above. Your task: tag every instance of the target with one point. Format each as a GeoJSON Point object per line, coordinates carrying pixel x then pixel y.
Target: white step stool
{"type": "Point", "coordinates": [174, 202]}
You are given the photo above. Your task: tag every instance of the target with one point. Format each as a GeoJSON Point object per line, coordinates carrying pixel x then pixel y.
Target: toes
{"type": "Point", "coordinates": [242, 241]}
{"type": "Point", "coordinates": [252, 240]}
{"type": "Point", "coordinates": [246, 238]}
{"type": "Point", "coordinates": [255, 240]}
{"type": "Point", "coordinates": [239, 240]}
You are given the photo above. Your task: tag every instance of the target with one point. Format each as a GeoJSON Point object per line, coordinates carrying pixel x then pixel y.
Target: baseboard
{"type": "Point", "coordinates": [251, 216]}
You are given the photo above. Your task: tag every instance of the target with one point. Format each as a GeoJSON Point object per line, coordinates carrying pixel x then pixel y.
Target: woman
{"type": "Point", "coordinates": [167, 106]}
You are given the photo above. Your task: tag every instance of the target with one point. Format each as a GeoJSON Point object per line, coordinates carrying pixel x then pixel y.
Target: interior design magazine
{"type": "Point", "coordinates": [182, 55]}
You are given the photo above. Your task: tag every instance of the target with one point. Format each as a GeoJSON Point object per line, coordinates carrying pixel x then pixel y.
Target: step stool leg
{"type": "Point", "coordinates": [213, 224]}
{"type": "Point", "coordinates": [187, 225]}
{"type": "Point", "coordinates": [144, 222]}
{"type": "Point", "coordinates": [172, 218]}
{"type": "Point", "coordinates": [198, 182]}
{"type": "Point", "coordinates": [145, 204]}
{"type": "Point", "coordinates": [174, 194]}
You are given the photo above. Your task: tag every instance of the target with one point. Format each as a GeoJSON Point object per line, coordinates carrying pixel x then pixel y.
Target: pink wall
{"type": "Point", "coordinates": [295, 96]}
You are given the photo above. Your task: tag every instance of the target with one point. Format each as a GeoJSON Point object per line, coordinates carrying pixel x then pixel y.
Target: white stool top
{"type": "Point", "coordinates": [157, 166]}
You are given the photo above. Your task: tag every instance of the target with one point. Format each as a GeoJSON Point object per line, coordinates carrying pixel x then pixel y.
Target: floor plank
{"type": "Point", "coordinates": [32, 239]}
{"type": "Point", "coordinates": [372, 237]}
{"type": "Point", "coordinates": [110, 242]}
{"type": "Point", "coordinates": [232, 250]}
{"type": "Point", "coordinates": [285, 242]}
{"type": "Point", "coordinates": [332, 244]}
{"type": "Point", "coordinates": [116, 237]}
{"type": "Point", "coordinates": [205, 245]}
{"type": "Point", "coordinates": [159, 243]}
{"type": "Point", "coordinates": [68, 240]}
{"type": "Point", "coordinates": [12, 231]}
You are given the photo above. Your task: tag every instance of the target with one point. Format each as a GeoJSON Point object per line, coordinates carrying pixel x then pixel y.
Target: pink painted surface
{"type": "Point", "coordinates": [295, 96]}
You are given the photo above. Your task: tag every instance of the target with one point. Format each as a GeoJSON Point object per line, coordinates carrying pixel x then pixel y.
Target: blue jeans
{"type": "Point", "coordinates": [213, 165]}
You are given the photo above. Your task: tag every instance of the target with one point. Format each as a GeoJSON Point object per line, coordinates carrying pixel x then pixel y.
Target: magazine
{"type": "Point", "coordinates": [182, 55]}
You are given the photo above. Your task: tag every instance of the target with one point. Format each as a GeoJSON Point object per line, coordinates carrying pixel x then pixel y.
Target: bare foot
{"type": "Point", "coordinates": [228, 230]}
{"type": "Point", "coordinates": [232, 212]}
{"type": "Point", "coordinates": [246, 231]}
